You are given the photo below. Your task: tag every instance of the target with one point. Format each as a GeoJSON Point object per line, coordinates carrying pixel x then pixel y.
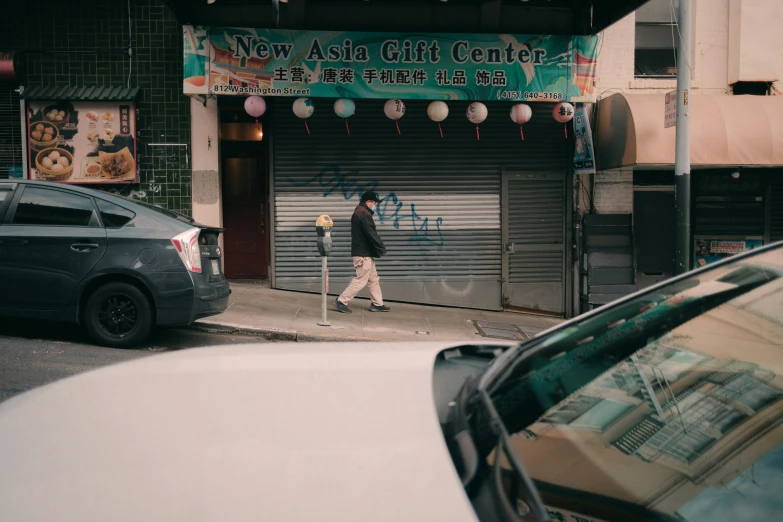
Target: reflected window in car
{"type": "Point", "coordinates": [41, 206]}
{"type": "Point", "coordinates": [671, 402]}
{"type": "Point", "coordinates": [114, 216]}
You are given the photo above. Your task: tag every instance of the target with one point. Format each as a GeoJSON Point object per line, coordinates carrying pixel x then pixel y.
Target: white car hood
{"type": "Point", "coordinates": [265, 432]}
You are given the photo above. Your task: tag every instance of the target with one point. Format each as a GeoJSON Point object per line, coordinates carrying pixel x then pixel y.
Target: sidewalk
{"type": "Point", "coordinates": [256, 309]}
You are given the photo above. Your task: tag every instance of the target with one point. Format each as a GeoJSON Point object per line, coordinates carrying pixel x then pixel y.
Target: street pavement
{"type": "Point", "coordinates": [34, 353]}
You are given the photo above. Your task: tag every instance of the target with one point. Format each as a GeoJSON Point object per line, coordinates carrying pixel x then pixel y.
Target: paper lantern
{"type": "Point", "coordinates": [477, 113]}
{"type": "Point", "coordinates": [304, 108]}
{"type": "Point", "coordinates": [394, 110]}
{"type": "Point", "coordinates": [345, 108]}
{"type": "Point", "coordinates": [255, 106]}
{"type": "Point", "coordinates": [563, 113]}
{"type": "Point", "coordinates": [521, 114]}
{"type": "Point", "coordinates": [438, 111]}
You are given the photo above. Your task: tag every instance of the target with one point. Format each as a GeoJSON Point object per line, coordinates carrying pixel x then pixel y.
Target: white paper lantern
{"type": "Point", "coordinates": [438, 111]}
{"type": "Point", "coordinates": [303, 108]}
{"type": "Point", "coordinates": [521, 114]}
{"type": "Point", "coordinates": [394, 110]}
{"type": "Point", "coordinates": [563, 113]}
{"type": "Point", "coordinates": [477, 112]}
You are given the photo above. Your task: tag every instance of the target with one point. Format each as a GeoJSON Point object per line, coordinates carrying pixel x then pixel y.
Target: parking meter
{"type": "Point", "coordinates": [323, 227]}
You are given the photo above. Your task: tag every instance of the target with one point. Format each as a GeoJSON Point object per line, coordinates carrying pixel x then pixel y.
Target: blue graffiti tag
{"type": "Point", "coordinates": [332, 179]}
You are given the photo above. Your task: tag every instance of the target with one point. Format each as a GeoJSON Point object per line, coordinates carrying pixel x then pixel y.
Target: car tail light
{"type": "Point", "coordinates": [186, 244]}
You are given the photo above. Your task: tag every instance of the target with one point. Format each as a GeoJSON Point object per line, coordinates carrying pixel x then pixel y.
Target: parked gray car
{"type": "Point", "coordinates": [117, 266]}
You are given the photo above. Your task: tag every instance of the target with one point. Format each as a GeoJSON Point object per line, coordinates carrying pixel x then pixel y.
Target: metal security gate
{"type": "Point", "coordinates": [440, 216]}
{"type": "Point", "coordinates": [534, 233]}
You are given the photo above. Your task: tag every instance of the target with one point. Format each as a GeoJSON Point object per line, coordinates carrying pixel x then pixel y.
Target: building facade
{"type": "Point", "coordinates": [736, 101]}
{"type": "Point", "coordinates": [134, 45]}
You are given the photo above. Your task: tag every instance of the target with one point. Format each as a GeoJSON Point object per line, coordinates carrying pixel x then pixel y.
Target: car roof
{"type": "Point", "coordinates": [140, 207]}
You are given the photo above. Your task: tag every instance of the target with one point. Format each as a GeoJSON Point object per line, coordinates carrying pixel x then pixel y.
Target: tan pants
{"type": "Point", "coordinates": [365, 275]}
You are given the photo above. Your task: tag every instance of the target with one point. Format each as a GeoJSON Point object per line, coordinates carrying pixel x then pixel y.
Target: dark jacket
{"type": "Point", "coordinates": [365, 241]}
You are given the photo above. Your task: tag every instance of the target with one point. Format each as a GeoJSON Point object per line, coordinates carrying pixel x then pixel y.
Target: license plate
{"type": "Point", "coordinates": [215, 267]}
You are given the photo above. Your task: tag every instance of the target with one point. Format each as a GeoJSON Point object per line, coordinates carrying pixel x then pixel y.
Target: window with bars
{"type": "Point", "coordinates": [656, 35]}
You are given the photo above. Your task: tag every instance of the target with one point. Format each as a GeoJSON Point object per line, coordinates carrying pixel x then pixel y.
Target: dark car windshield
{"type": "Point", "coordinates": [671, 402]}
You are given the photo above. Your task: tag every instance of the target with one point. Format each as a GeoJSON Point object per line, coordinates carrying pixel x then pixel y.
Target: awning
{"type": "Point", "coordinates": [94, 93]}
{"type": "Point", "coordinates": [725, 131]}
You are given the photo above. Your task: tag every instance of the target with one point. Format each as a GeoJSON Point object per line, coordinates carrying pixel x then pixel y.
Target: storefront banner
{"type": "Point", "coordinates": [584, 160]}
{"type": "Point", "coordinates": [82, 142]}
{"type": "Point", "coordinates": [334, 64]}
{"type": "Point", "coordinates": [708, 251]}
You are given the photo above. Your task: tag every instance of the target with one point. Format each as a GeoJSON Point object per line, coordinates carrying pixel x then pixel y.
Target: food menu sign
{"type": "Point", "coordinates": [276, 62]}
{"type": "Point", "coordinates": [82, 142]}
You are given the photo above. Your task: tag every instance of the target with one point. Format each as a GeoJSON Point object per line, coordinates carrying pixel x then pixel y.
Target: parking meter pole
{"type": "Point", "coordinates": [324, 289]}
{"type": "Point", "coordinates": [323, 227]}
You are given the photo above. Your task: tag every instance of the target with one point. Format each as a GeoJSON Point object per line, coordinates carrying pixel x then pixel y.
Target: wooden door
{"type": "Point", "coordinates": [245, 215]}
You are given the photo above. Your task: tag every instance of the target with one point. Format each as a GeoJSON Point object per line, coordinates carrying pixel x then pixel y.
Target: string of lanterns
{"type": "Point", "coordinates": [437, 111]}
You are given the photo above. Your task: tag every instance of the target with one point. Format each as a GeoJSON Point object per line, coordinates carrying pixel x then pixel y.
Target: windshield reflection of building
{"type": "Point", "coordinates": [669, 407]}
{"type": "Point", "coordinates": [691, 400]}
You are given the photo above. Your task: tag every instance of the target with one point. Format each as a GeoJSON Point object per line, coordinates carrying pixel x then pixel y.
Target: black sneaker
{"type": "Point", "coordinates": [340, 307]}
{"type": "Point", "coordinates": [374, 308]}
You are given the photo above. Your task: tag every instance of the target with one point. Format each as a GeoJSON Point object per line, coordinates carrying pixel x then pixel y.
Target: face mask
{"type": "Point", "coordinates": [371, 205]}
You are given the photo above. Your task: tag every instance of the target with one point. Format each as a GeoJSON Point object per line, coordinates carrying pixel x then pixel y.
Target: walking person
{"type": "Point", "coordinates": [366, 247]}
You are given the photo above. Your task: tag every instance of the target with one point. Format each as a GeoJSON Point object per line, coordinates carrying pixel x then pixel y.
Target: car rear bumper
{"type": "Point", "coordinates": [210, 299]}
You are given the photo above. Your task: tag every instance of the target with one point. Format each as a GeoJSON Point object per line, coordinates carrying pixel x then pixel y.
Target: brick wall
{"type": "Point", "coordinates": [614, 192]}
{"type": "Point", "coordinates": [85, 42]}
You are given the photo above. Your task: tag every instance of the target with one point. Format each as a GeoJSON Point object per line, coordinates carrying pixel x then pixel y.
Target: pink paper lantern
{"type": "Point", "coordinates": [255, 106]}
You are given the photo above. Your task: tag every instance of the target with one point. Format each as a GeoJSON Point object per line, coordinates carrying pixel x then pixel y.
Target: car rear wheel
{"type": "Point", "coordinates": [118, 315]}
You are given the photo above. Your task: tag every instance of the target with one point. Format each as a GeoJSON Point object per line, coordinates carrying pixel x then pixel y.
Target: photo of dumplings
{"type": "Point", "coordinates": [92, 115]}
{"type": "Point", "coordinates": [57, 166]}
{"type": "Point", "coordinates": [46, 162]}
{"type": "Point", "coordinates": [48, 137]}
{"type": "Point", "coordinates": [54, 155]}
{"type": "Point", "coordinates": [108, 135]}
{"type": "Point", "coordinates": [40, 127]}
{"type": "Point", "coordinates": [107, 116]}
{"type": "Point", "coordinates": [92, 136]}
{"type": "Point", "coordinates": [36, 135]}
{"type": "Point", "coordinates": [63, 161]}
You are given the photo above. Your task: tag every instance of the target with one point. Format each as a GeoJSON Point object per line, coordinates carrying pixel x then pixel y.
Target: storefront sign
{"type": "Point", "coordinates": [584, 162]}
{"type": "Point", "coordinates": [82, 142]}
{"type": "Point", "coordinates": [269, 62]}
{"type": "Point", "coordinates": [708, 251]}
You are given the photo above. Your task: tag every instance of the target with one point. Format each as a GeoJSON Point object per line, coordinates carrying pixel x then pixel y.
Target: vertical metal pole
{"type": "Point", "coordinates": [324, 321]}
{"type": "Point", "coordinates": [682, 155]}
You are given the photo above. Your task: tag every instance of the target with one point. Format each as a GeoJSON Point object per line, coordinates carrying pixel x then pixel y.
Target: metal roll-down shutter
{"type": "Point", "coordinates": [440, 218]}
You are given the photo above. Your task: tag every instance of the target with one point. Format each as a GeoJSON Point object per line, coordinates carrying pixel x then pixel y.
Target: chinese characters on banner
{"type": "Point", "coordinates": [268, 62]}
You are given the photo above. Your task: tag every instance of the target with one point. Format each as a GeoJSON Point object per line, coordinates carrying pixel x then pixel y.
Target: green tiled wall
{"type": "Point", "coordinates": [85, 42]}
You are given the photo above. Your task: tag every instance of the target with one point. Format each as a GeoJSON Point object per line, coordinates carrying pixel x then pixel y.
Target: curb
{"type": "Point", "coordinates": [275, 334]}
